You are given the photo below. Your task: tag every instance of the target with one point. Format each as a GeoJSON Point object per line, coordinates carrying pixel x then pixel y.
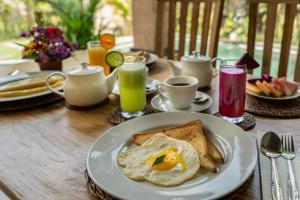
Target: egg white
{"type": "Point", "coordinates": [135, 167]}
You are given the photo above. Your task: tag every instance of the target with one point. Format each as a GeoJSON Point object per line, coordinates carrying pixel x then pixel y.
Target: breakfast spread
{"type": "Point", "coordinates": [29, 86]}
{"type": "Point", "coordinates": [271, 86]}
{"type": "Point", "coordinates": [170, 156]}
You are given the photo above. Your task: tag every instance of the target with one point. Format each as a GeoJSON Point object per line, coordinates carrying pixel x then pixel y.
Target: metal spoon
{"type": "Point", "coordinates": [271, 147]}
{"type": "Point", "coordinates": [200, 100]}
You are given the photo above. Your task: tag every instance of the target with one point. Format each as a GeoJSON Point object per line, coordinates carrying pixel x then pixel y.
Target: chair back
{"type": "Point", "coordinates": [290, 13]}
{"type": "Point", "coordinates": [211, 7]}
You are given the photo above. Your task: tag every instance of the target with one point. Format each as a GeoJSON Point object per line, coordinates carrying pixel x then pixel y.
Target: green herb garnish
{"type": "Point", "coordinates": [159, 160]}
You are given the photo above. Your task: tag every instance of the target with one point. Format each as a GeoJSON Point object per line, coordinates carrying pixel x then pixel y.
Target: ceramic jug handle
{"type": "Point", "coordinates": [215, 60]}
{"type": "Point", "coordinates": [49, 86]}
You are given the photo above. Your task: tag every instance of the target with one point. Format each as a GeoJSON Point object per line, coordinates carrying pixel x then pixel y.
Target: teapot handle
{"type": "Point", "coordinates": [49, 86]}
{"type": "Point", "coordinates": [215, 60]}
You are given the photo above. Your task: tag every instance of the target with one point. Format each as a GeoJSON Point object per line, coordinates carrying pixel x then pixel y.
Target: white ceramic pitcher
{"type": "Point", "coordinates": [195, 65]}
{"type": "Point", "coordinates": [86, 86]}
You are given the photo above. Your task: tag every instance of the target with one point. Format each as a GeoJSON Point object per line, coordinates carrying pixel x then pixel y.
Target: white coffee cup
{"type": "Point", "coordinates": [180, 90]}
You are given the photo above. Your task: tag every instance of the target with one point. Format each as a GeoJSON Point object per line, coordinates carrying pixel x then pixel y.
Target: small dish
{"type": "Point", "coordinates": [152, 60]}
{"type": "Point", "coordinates": [151, 87]}
{"type": "Point", "coordinates": [165, 105]}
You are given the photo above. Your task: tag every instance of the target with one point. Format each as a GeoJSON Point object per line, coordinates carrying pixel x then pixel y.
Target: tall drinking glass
{"type": "Point", "coordinates": [132, 84]}
{"type": "Point", "coordinates": [97, 56]}
{"type": "Point", "coordinates": [232, 89]}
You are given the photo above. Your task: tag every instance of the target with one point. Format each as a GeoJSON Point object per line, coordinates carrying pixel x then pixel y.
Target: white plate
{"type": "Point", "coordinates": [166, 106]}
{"type": "Point", "coordinates": [31, 75]}
{"type": "Point", "coordinates": [152, 59]}
{"type": "Point", "coordinates": [296, 95]}
{"type": "Point", "coordinates": [12, 62]}
{"type": "Point", "coordinates": [238, 149]}
{"type": "Point", "coordinates": [151, 87]}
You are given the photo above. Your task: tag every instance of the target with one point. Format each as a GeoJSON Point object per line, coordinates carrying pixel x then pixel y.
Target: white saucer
{"type": "Point", "coordinates": [151, 87]}
{"type": "Point", "coordinates": [165, 106]}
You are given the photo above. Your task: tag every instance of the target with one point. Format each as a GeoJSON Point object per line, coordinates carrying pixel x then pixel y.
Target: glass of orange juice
{"type": "Point", "coordinates": [97, 55]}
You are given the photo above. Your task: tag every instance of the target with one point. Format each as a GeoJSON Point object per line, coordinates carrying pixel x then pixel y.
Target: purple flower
{"type": "Point", "coordinates": [43, 57]}
{"type": "Point", "coordinates": [25, 34]}
{"type": "Point", "coordinates": [49, 44]}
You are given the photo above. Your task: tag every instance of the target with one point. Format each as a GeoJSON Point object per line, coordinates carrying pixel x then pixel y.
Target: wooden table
{"type": "Point", "coordinates": [43, 150]}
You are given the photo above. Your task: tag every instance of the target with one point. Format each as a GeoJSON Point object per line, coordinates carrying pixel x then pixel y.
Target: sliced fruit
{"type": "Point", "coordinates": [272, 88]}
{"type": "Point", "coordinates": [114, 59]}
{"type": "Point", "coordinates": [107, 40]}
{"type": "Point", "coordinates": [292, 86]}
{"type": "Point", "coordinates": [284, 86]}
{"type": "Point", "coordinates": [261, 86]}
{"type": "Point", "coordinates": [267, 77]}
{"type": "Point", "coordinates": [277, 85]}
{"type": "Point", "coordinates": [246, 59]}
{"type": "Point", "coordinates": [251, 88]}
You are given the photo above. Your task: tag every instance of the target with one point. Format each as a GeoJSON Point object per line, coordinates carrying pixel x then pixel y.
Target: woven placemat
{"type": "Point", "coordinates": [282, 109]}
{"type": "Point", "coordinates": [98, 194]}
{"type": "Point", "coordinates": [115, 116]}
{"type": "Point", "coordinates": [248, 123]}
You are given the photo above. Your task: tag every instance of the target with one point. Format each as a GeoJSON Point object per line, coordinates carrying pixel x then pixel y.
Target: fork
{"type": "Point", "coordinates": [288, 152]}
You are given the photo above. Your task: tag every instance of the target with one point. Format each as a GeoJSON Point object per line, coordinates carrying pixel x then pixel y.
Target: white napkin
{"type": "Point", "coordinates": [265, 169]}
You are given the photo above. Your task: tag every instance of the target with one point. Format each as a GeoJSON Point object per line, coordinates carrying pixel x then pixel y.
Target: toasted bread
{"type": "Point", "coordinates": [213, 151]}
{"type": "Point", "coordinates": [192, 133]}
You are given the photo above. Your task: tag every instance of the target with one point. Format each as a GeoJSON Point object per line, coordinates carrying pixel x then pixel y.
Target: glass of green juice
{"type": "Point", "coordinates": [132, 84]}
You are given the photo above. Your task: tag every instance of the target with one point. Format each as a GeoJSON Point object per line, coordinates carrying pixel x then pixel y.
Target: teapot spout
{"type": "Point", "coordinates": [175, 68]}
{"type": "Point", "coordinates": [111, 80]}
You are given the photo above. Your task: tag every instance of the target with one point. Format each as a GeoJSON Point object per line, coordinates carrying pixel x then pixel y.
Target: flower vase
{"type": "Point", "coordinates": [51, 65]}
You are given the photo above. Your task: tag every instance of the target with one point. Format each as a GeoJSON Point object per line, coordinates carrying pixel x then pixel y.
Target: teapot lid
{"type": "Point", "coordinates": [196, 57]}
{"type": "Point", "coordinates": [84, 70]}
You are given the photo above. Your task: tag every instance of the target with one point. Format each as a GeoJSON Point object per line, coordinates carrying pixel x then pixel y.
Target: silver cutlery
{"type": "Point", "coordinates": [271, 147]}
{"type": "Point", "coordinates": [200, 100]}
{"type": "Point", "coordinates": [288, 152]}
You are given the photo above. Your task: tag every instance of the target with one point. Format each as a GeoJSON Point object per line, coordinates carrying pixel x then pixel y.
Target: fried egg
{"type": "Point", "coordinates": [162, 160]}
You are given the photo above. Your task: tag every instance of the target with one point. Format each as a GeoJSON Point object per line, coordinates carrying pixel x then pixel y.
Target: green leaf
{"type": "Point", "coordinates": [159, 160]}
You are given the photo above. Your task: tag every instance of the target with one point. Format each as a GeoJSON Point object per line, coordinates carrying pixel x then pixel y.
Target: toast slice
{"type": "Point", "coordinates": [213, 151]}
{"type": "Point", "coordinates": [192, 133]}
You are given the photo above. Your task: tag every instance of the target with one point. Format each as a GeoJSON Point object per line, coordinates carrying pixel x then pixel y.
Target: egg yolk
{"type": "Point", "coordinates": [171, 159]}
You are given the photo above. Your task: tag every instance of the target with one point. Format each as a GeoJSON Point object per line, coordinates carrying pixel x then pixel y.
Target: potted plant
{"type": "Point", "coordinates": [48, 47]}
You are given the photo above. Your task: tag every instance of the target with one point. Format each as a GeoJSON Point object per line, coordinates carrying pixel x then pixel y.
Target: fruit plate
{"type": "Point", "coordinates": [282, 98]}
{"type": "Point", "coordinates": [236, 145]}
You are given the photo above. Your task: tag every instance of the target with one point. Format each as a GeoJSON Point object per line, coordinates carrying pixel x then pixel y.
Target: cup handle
{"type": "Point", "coordinates": [162, 92]}
{"type": "Point", "coordinates": [49, 86]}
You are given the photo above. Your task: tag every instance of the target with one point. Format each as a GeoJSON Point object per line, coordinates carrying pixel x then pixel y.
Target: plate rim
{"type": "Point", "coordinates": [149, 93]}
{"type": "Point", "coordinates": [243, 180]}
{"type": "Point", "coordinates": [296, 95]}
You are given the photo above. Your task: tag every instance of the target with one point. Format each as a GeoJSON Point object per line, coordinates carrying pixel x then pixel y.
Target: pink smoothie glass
{"type": "Point", "coordinates": [232, 91]}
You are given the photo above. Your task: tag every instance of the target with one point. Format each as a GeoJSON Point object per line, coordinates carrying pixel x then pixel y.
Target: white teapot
{"type": "Point", "coordinates": [86, 86]}
{"type": "Point", "coordinates": [195, 65]}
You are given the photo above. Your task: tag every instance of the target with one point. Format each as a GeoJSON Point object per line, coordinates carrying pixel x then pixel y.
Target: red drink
{"type": "Point", "coordinates": [232, 92]}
